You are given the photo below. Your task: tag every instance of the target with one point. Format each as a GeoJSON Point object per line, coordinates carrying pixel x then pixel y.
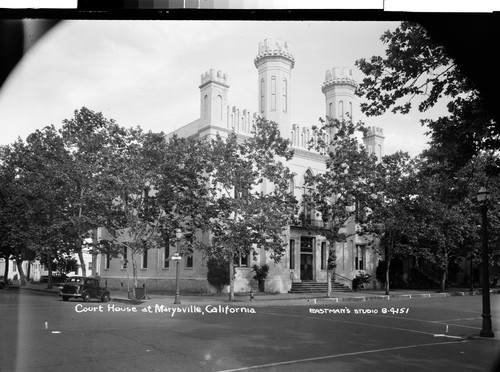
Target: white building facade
{"type": "Point", "coordinates": [306, 255]}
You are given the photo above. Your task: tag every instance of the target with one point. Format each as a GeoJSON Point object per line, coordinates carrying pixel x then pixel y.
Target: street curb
{"type": "Point", "coordinates": [261, 300]}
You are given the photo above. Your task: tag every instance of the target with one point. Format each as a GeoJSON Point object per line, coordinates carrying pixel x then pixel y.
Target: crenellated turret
{"type": "Point", "coordinates": [339, 88]}
{"type": "Point", "coordinates": [214, 96]}
{"type": "Point", "coordinates": [215, 77]}
{"type": "Point", "coordinates": [338, 76]}
{"type": "Point", "coordinates": [374, 141]}
{"type": "Point", "coordinates": [274, 48]}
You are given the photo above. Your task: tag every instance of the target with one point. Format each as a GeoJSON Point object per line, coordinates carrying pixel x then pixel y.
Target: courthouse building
{"type": "Point", "coordinates": [305, 260]}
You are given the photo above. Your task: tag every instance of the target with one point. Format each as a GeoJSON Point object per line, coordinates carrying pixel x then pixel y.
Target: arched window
{"type": "Point", "coordinates": [308, 209]}
{"type": "Point", "coordinates": [285, 95]}
{"type": "Point", "coordinates": [330, 110]}
{"type": "Point", "coordinates": [262, 96]}
{"type": "Point", "coordinates": [273, 93]}
{"type": "Point", "coordinates": [341, 110]}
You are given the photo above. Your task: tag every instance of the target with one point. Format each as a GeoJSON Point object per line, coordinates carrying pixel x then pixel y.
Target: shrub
{"type": "Point", "coordinates": [260, 272]}
{"type": "Point", "coordinates": [218, 273]}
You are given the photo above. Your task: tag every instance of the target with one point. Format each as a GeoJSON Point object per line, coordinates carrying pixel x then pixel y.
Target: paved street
{"type": "Point", "coordinates": [43, 333]}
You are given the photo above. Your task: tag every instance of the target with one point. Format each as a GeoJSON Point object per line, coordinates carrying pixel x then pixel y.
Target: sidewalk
{"type": "Point", "coordinates": [266, 299]}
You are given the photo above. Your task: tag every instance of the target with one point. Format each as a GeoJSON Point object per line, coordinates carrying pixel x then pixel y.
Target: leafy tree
{"type": "Point", "coordinates": [38, 202]}
{"type": "Point", "coordinates": [392, 217]}
{"type": "Point", "coordinates": [161, 187]}
{"type": "Point", "coordinates": [448, 231]}
{"type": "Point", "coordinates": [339, 194]}
{"type": "Point", "coordinates": [183, 190]}
{"type": "Point", "coordinates": [416, 68]}
{"type": "Point", "coordinates": [93, 143]}
{"type": "Point", "coordinates": [252, 204]}
{"type": "Point", "coordinates": [63, 263]}
{"type": "Point", "coordinates": [218, 273]}
{"type": "Point", "coordinates": [136, 223]}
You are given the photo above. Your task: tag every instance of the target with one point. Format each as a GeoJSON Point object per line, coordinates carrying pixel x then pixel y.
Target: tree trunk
{"type": "Point", "coordinates": [95, 272]}
{"type": "Point", "coordinates": [388, 258]}
{"type": "Point", "coordinates": [94, 265]}
{"type": "Point", "coordinates": [444, 272]}
{"type": "Point", "coordinates": [134, 271]}
{"type": "Point", "coordinates": [28, 275]}
{"type": "Point", "coordinates": [80, 256]}
{"type": "Point", "coordinates": [443, 283]}
{"type": "Point", "coordinates": [329, 282]}
{"type": "Point", "coordinates": [387, 267]}
{"type": "Point", "coordinates": [231, 278]}
{"type": "Point", "coordinates": [79, 242]}
{"type": "Point", "coordinates": [6, 270]}
{"type": "Point", "coordinates": [22, 277]}
{"type": "Point", "coordinates": [49, 267]}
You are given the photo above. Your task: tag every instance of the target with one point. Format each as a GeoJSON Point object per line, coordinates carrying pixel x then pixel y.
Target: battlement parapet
{"type": "Point", "coordinates": [305, 138]}
{"type": "Point", "coordinates": [240, 120]}
{"type": "Point", "coordinates": [214, 76]}
{"type": "Point", "coordinates": [274, 48]}
{"type": "Point", "coordinates": [338, 76]}
{"type": "Point", "coordinates": [374, 131]}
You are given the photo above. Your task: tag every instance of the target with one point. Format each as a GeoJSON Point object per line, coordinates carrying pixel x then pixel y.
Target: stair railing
{"type": "Point", "coordinates": [349, 281]}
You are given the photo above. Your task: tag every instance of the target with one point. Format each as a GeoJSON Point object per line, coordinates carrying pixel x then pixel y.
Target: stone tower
{"type": "Point", "coordinates": [339, 88]}
{"type": "Point", "coordinates": [214, 96]}
{"type": "Point", "coordinates": [274, 62]}
{"type": "Point", "coordinates": [374, 142]}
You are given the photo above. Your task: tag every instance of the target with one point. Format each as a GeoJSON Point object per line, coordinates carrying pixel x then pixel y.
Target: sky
{"type": "Point", "coordinates": [147, 73]}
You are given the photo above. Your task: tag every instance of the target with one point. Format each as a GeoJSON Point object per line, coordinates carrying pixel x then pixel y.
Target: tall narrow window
{"type": "Point", "coordinates": [285, 95]}
{"type": "Point", "coordinates": [341, 110]}
{"type": "Point", "coordinates": [262, 96]}
{"type": "Point", "coordinates": [107, 261]}
{"type": "Point", "coordinates": [330, 110]}
{"type": "Point", "coordinates": [242, 259]}
{"type": "Point", "coordinates": [190, 252]}
{"type": "Point", "coordinates": [323, 256]}
{"type": "Point", "coordinates": [145, 258]}
{"type": "Point", "coordinates": [292, 254]}
{"type": "Point", "coordinates": [350, 110]}
{"type": "Point", "coordinates": [166, 253]}
{"type": "Point", "coordinates": [124, 258]}
{"type": "Point", "coordinates": [273, 93]}
{"type": "Point", "coordinates": [360, 257]}
{"type": "Point", "coordinates": [308, 210]}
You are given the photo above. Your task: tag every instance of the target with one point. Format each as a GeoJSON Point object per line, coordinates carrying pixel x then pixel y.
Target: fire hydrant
{"type": "Point", "coordinates": [251, 295]}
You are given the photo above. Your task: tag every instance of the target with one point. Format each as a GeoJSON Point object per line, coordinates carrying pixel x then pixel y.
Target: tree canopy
{"type": "Point", "coordinates": [418, 70]}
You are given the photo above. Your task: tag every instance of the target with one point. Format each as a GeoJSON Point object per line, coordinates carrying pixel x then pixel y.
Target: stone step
{"type": "Point", "coordinates": [317, 287]}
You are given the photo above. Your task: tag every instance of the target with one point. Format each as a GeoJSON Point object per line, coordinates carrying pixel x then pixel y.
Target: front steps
{"type": "Point", "coordinates": [317, 287]}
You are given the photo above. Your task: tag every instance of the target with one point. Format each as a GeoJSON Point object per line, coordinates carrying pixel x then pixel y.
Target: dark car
{"type": "Point", "coordinates": [85, 288]}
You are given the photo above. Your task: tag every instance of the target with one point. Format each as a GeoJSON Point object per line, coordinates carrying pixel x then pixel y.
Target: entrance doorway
{"type": "Point", "coordinates": [306, 258]}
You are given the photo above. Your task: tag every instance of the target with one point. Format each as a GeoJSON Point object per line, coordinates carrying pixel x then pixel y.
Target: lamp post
{"type": "Point", "coordinates": [177, 258]}
{"type": "Point", "coordinates": [487, 330]}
